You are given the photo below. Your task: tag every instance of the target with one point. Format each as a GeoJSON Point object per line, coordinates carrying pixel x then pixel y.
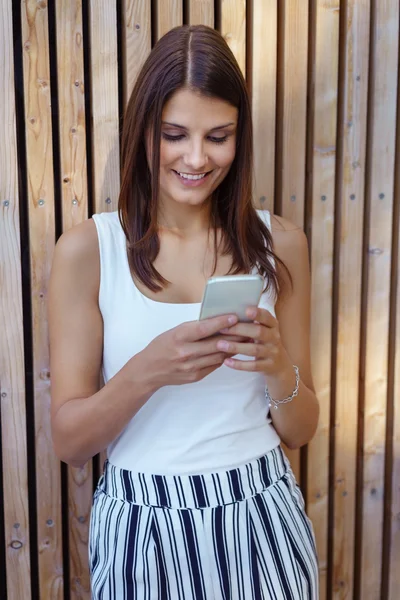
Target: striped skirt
{"type": "Point", "coordinates": [233, 535]}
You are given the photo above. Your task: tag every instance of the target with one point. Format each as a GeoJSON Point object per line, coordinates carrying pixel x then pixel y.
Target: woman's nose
{"type": "Point", "coordinates": [196, 157]}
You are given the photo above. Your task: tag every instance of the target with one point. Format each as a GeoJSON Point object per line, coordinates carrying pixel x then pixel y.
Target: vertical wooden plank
{"type": "Point", "coordinates": [233, 28]}
{"type": "Point", "coordinates": [105, 112]}
{"type": "Point", "coordinates": [321, 229]}
{"type": "Point", "coordinates": [294, 112]}
{"type": "Point", "coordinates": [73, 172]}
{"type": "Point", "coordinates": [72, 125]}
{"type": "Point", "coordinates": [294, 81]}
{"type": "Point", "coordinates": [136, 42]}
{"type": "Point", "coordinates": [169, 15]}
{"type": "Point", "coordinates": [42, 232]}
{"type": "Point", "coordinates": [201, 12]}
{"type": "Point", "coordinates": [263, 81]}
{"type": "Point", "coordinates": [394, 570]}
{"type": "Point", "coordinates": [383, 115]}
{"type": "Point", "coordinates": [12, 376]}
{"type": "Point", "coordinates": [351, 197]}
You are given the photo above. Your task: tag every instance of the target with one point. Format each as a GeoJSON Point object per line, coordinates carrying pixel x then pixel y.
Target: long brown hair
{"type": "Point", "coordinates": [198, 58]}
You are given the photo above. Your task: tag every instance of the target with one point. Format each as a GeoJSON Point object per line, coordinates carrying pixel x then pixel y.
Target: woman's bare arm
{"type": "Point", "coordinates": [85, 419]}
{"type": "Point", "coordinates": [297, 421]}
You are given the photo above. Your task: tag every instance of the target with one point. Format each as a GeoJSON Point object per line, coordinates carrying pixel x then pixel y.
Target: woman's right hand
{"type": "Point", "coordinates": [188, 352]}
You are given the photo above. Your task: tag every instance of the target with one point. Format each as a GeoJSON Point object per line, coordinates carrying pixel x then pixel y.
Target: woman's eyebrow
{"type": "Point", "coordinates": [182, 127]}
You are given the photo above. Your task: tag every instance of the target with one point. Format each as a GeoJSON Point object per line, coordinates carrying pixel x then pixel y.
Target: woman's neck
{"type": "Point", "coordinates": [184, 219]}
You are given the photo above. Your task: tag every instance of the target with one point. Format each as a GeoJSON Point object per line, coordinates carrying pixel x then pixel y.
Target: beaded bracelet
{"type": "Point", "coordinates": [276, 403]}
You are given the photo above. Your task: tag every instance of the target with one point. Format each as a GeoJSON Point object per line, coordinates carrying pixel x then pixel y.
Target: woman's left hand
{"type": "Point", "coordinates": [265, 345]}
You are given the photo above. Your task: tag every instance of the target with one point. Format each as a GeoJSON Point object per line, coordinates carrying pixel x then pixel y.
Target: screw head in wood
{"type": "Point", "coordinates": [16, 545]}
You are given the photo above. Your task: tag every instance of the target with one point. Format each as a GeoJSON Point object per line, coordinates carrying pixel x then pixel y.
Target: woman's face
{"type": "Point", "coordinates": [198, 142]}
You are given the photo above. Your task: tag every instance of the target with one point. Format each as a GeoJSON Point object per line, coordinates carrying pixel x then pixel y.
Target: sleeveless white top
{"type": "Point", "coordinates": [215, 424]}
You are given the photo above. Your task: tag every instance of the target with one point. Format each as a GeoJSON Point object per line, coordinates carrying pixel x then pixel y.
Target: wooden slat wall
{"type": "Point", "coordinates": [74, 198]}
{"type": "Point", "coordinates": [393, 437]}
{"type": "Point", "coordinates": [136, 40]}
{"type": "Point", "coordinates": [320, 227]}
{"type": "Point", "coordinates": [201, 12]}
{"type": "Point", "coordinates": [12, 379]}
{"type": "Point", "coordinates": [233, 28]}
{"type": "Point", "coordinates": [41, 217]}
{"type": "Point", "coordinates": [323, 79]}
{"type": "Point", "coordinates": [263, 48]}
{"type": "Point", "coordinates": [380, 189]}
{"type": "Point", "coordinates": [169, 14]}
{"type": "Point", "coordinates": [350, 204]}
{"type": "Point", "coordinates": [291, 123]}
{"type": "Point", "coordinates": [394, 474]}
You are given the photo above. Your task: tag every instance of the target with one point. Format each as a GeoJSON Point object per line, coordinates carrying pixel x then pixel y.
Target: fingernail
{"type": "Point", "coordinates": [225, 330]}
{"type": "Point", "coordinates": [228, 362]}
{"type": "Point", "coordinates": [251, 312]}
{"type": "Point", "coordinates": [223, 345]}
{"type": "Point", "coordinates": [232, 320]}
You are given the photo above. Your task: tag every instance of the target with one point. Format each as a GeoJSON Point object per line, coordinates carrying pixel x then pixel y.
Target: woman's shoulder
{"type": "Point", "coordinates": [77, 252]}
{"type": "Point", "coordinates": [285, 234]}
{"type": "Point", "coordinates": [79, 242]}
{"type": "Point", "coordinates": [289, 242]}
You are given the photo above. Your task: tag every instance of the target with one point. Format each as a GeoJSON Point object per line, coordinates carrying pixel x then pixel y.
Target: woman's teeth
{"type": "Point", "coordinates": [193, 177]}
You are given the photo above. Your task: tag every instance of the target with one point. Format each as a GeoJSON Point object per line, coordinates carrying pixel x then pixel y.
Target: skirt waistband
{"type": "Point", "coordinates": [194, 491]}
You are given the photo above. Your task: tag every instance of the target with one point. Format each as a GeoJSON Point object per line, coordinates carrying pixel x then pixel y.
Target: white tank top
{"type": "Point", "coordinates": [213, 424]}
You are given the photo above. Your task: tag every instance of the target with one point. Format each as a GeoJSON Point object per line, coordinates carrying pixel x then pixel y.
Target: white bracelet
{"type": "Point", "coordinates": [276, 403]}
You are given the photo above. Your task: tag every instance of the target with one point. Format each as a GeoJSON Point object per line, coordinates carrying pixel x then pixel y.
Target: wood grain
{"type": "Point", "coordinates": [201, 12]}
{"type": "Point", "coordinates": [321, 231]}
{"type": "Point", "coordinates": [394, 559]}
{"type": "Point", "coordinates": [73, 170]}
{"type": "Point", "coordinates": [382, 115]}
{"type": "Point", "coordinates": [353, 127]}
{"type": "Point", "coordinates": [105, 112]}
{"type": "Point", "coordinates": [80, 494]}
{"type": "Point", "coordinates": [38, 127]}
{"type": "Point", "coordinates": [136, 41]}
{"type": "Point", "coordinates": [294, 81]}
{"type": "Point", "coordinates": [294, 111]}
{"type": "Point", "coordinates": [263, 94]}
{"type": "Point", "coordinates": [169, 15]}
{"type": "Point", "coordinates": [12, 375]}
{"type": "Point", "coordinates": [72, 121]}
{"type": "Point", "coordinates": [233, 28]}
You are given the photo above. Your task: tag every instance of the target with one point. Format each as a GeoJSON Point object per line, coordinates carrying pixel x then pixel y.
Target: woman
{"type": "Point", "coordinates": [197, 499]}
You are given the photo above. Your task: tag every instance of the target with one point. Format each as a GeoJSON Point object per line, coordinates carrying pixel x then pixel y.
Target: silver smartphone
{"type": "Point", "coordinates": [231, 294]}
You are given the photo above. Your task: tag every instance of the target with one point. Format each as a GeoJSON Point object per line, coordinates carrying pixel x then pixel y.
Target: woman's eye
{"type": "Point", "coordinates": [177, 138]}
{"type": "Point", "coordinates": [218, 140]}
{"type": "Point", "coordinates": [172, 138]}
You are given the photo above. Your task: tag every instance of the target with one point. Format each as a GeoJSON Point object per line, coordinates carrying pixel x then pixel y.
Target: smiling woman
{"type": "Point", "coordinates": [197, 499]}
{"type": "Point", "coordinates": [198, 152]}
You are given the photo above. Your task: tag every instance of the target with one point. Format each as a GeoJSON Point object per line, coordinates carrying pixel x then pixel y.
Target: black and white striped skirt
{"type": "Point", "coordinates": [234, 535]}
